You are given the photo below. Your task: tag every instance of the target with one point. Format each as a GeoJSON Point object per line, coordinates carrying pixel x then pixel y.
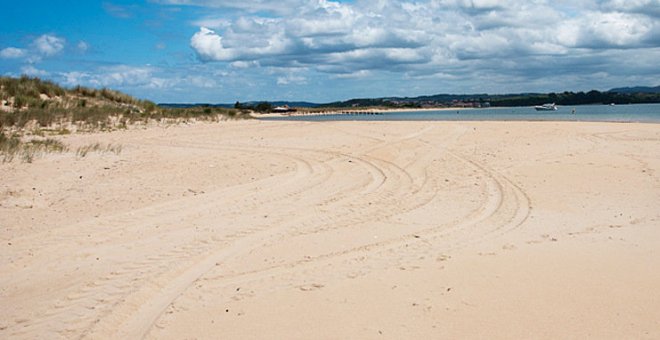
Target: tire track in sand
{"type": "Point", "coordinates": [148, 312]}
{"type": "Point", "coordinates": [133, 328]}
{"type": "Point", "coordinates": [111, 288]}
{"type": "Point", "coordinates": [490, 208]}
{"type": "Point", "coordinates": [506, 208]}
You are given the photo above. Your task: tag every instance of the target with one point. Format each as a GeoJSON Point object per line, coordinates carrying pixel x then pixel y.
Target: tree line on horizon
{"type": "Point", "coordinates": [525, 99]}
{"type": "Point", "coordinates": [577, 98]}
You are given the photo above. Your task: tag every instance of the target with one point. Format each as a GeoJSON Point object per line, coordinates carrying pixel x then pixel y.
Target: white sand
{"type": "Point", "coordinates": [362, 230]}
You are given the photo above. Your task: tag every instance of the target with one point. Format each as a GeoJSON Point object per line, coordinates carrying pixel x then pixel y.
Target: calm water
{"type": "Point", "coordinates": [599, 113]}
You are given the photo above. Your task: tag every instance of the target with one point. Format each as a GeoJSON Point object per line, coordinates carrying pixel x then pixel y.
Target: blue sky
{"type": "Point", "coordinates": [322, 50]}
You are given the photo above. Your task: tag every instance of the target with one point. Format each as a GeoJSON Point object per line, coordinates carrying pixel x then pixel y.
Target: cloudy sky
{"type": "Point", "coordinates": [325, 50]}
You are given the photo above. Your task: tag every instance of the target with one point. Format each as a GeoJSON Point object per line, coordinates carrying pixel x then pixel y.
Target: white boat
{"type": "Point", "coordinates": [546, 107]}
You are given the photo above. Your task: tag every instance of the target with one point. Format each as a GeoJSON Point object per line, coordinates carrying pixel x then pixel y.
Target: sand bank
{"type": "Point", "coordinates": [369, 111]}
{"type": "Point", "coordinates": [257, 229]}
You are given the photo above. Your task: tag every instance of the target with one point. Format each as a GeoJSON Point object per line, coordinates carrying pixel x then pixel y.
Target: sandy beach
{"type": "Point", "coordinates": [330, 230]}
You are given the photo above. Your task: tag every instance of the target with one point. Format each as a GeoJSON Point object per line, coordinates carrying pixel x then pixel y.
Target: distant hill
{"type": "Point", "coordinates": [191, 105]}
{"type": "Point", "coordinates": [636, 89]}
{"type": "Point", "coordinates": [295, 104]}
{"type": "Point", "coordinates": [624, 95]}
{"type": "Point", "coordinates": [250, 103]}
{"type": "Point", "coordinates": [632, 96]}
{"type": "Point", "coordinates": [282, 103]}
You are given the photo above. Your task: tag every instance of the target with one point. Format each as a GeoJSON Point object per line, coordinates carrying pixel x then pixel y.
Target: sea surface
{"type": "Point", "coordinates": [648, 113]}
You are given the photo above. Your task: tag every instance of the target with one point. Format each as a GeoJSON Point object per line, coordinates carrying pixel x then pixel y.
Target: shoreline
{"type": "Point", "coordinates": [634, 113]}
{"type": "Point", "coordinates": [349, 112]}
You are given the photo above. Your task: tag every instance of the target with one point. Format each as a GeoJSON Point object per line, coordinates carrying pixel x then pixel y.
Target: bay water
{"type": "Point", "coordinates": [647, 113]}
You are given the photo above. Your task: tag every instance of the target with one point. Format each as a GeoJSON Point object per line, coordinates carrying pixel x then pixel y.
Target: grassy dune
{"type": "Point", "coordinates": [41, 108]}
{"type": "Point", "coordinates": [28, 100]}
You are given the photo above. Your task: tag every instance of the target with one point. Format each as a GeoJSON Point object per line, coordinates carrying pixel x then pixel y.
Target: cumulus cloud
{"type": "Point", "coordinates": [291, 79]}
{"type": "Point", "coordinates": [423, 38]}
{"type": "Point", "coordinates": [244, 64]}
{"type": "Point", "coordinates": [647, 7]}
{"type": "Point", "coordinates": [30, 70]}
{"type": "Point", "coordinates": [112, 76]}
{"type": "Point", "coordinates": [325, 34]}
{"type": "Point", "coordinates": [44, 46]}
{"type": "Point", "coordinates": [354, 75]}
{"type": "Point", "coordinates": [484, 44]}
{"type": "Point", "coordinates": [607, 30]}
{"type": "Point", "coordinates": [212, 23]}
{"type": "Point", "coordinates": [12, 53]}
{"type": "Point", "coordinates": [135, 77]}
{"type": "Point", "coordinates": [209, 47]}
{"type": "Point", "coordinates": [49, 45]}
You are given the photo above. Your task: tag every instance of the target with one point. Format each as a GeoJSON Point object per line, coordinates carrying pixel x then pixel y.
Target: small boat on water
{"type": "Point", "coordinates": [546, 107]}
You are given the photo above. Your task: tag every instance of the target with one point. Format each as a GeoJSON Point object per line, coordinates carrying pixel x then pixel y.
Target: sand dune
{"type": "Point", "coordinates": [259, 229]}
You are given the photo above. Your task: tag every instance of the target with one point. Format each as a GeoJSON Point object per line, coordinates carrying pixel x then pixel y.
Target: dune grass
{"type": "Point", "coordinates": [12, 146]}
{"type": "Point", "coordinates": [32, 107]}
{"type": "Point", "coordinates": [83, 151]}
{"type": "Point", "coordinates": [29, 100]}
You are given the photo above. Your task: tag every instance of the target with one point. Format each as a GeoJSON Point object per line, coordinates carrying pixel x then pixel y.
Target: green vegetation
{"type": "Point", "coordinates": [12, 146]}
{"type": "Point", "coordinates": [525, 99]}
{"type": "Point", "coordinates": [29, 100]}
{"type": "Point", "coordinates": [262, 107]}
{"type": "Point", "coordinates": [26, 89]}
{"type": "Point", "coordinates": [576, 98]}
{"type": "Point", "coordinates": [35, 107]}
{"type": "Point", "coordinates": [97, 147]}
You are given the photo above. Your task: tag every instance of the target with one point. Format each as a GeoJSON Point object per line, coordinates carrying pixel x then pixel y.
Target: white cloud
{"type": "Point", "coordinates": [82, 46]}
{"type": "Point", "coordinates": [119, 11]}
{"type": "Point", "coordinates": [354, 75]}
{"type": "Point", "coordinates": [291, 79]}
{"type": "Point", "coordinates": [127, 77]}
{"type": "Point", "coordinates": [201, 82]}
{"type": "Point", "coordinates": [213, 23]}
{"type": "Point", "coordinates": [505, 42]}
{"type": "Point", "coordinates": [209, 47]}
{"type": "Point", "coordinates": [113, 76]}
{"type": "Point", "coordinates": [30, 70]}
{"type": "Point", "coordinates": [281, 6]}
{"type": "Point", "coordinates": [422, 38]}
{"type": "Point", "coordinates": [12, 53]}
{"type": "Point", "coordinates": [244, 64]}
{"type": "Point", "coordinates": [49, 45]}
{"type": "Point", "coordinates": [607, 30]}
{"type": "Point", "coordinates": [124, 75]}
{"type": "Point", "coordinates": [46, 45]}
{"type": "Point", "coordinates": [73, 78]}
{"type": "Point", "coordinates": [649, 7]}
